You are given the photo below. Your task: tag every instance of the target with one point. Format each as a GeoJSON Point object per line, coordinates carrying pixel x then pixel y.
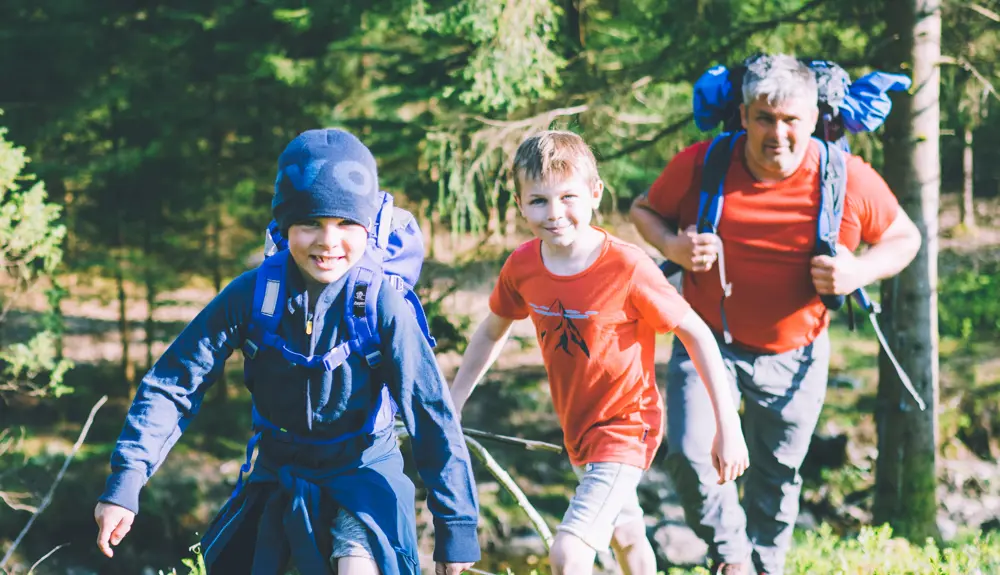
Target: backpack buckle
{"type": "Point", "coordinates": [373, 358]}
{"type": "Point", "coordinates": [250, 349]}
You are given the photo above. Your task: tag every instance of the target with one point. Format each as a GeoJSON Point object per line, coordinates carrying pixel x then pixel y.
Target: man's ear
{"type": "Point", "coordinates": [744, 118]}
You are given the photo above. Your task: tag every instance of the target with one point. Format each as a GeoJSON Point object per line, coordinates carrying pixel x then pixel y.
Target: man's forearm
{"type": "Point", "coordinates": [653, 228]}
{"type": "Point", "coordinates": [893, 253]}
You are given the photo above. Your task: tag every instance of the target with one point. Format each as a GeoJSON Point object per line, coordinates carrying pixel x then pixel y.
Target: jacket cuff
{"type": "Point", "coordinates": [123, 488]}
{"type": "Point", "coordinates": [455, 542]}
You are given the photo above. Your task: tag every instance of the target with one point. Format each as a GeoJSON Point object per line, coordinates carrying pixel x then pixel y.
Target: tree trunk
{"type": "Point", "coordinates": [967, 210]}
{"type": "Point", "coordinates": [149, 275]}
{"type": "Point", "coordinates": [127, 369]}
{"type": "Point", "coordinates": [905, 474]}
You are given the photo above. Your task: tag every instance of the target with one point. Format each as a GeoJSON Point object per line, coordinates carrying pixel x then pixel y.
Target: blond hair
{"type": "Point", "coordinates": [554, 154]}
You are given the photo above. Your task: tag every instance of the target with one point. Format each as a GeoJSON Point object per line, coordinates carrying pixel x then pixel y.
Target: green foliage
{"type": "Point", "coordinates": [969, 303]}
{"type": "Point", "coordinates": [876, 552]}
{"type": "Point", "coordinates": [31, 238]}
{"type": "Point", "coordinates": [195, 565]}
{"type": "Point", "coordinates": [512, 63]}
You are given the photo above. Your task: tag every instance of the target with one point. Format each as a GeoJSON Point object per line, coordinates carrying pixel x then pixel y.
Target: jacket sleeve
{"type": "Point", "coordinates": [442, 459]}
{"type": "Point", "coordinates": [171, 393]}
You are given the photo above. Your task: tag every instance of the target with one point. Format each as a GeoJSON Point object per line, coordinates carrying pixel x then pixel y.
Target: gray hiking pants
{"type": "Point", "coordinates": [783, 395]}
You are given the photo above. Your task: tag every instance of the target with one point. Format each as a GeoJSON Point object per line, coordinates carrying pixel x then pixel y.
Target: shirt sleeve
{"type": "Point", "coordinates": [676, 180]}
{"type": "Point", "coordinates": [439, 449]}
{"type": "Point", "coordinates": [870, 207]}
{"type": "Point", "coordinates": [171, 394]}
{"type": "Point", "coordinates": [506, 300]}
{"type": "Point", "coordinates": [652, 299]}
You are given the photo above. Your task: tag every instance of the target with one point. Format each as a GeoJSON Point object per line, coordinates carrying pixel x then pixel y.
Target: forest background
{"type": "Point", "coordinates": [152, 130]}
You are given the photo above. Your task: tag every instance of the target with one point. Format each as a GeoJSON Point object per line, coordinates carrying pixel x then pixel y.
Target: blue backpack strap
{"type": "Point", "coordinates": [383, 225]}
{"type": "Point", "coordinates": [363, 286]}
{"type": "Point", "coordinates": [418, 311]}
{"type": "Point", "coordinates": [269, 296]}
{"type": "Point", "coordinates": [833, 189]}
{"type": "Point", "coordinates": [713, 178]}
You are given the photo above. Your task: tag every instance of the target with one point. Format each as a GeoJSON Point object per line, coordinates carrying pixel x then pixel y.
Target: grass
{"type": "Point", "coordinates": [873, 552]}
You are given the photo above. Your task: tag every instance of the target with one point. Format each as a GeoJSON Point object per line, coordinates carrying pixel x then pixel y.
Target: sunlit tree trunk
{"type": "Point", "coordinates": [905, 478]}
{"type": "Point", "coordinates": [967, 209]}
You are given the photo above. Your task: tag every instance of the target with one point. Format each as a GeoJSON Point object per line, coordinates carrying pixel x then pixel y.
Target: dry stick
{"type": "Point", "coordinates": [508, 482]}
{"type": "Point", "coordinates": [44, 557]}
{"type": "Point", "coordinates": [48, 496]}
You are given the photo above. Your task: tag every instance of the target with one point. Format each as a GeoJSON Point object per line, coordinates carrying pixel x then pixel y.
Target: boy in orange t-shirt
{"type": "Point", "coordinates": [597, 303]}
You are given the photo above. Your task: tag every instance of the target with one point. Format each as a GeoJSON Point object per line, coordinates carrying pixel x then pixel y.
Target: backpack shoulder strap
{"type": "Point", "coordinates": [713, 179]}
{"type": "Point", "coordinates": [833, 189]}
{"type": "Point", "coordinates": [269, 295]}
{"type": "Point", "coordinates": [363, 285]}
{"type": "Point", "coordinates": [383, 226]}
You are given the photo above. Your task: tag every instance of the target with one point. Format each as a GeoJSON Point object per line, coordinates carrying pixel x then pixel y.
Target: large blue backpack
{"type": "Point", "coordinates": [859, 106]}
{"type": "Point", "coordinates": [833, 185]}
{"type": "Point", "coordinates": [395, 251]}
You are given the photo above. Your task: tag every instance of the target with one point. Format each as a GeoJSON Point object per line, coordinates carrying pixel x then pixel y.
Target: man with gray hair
{"type": "Point", "coordinates": [772, 324]}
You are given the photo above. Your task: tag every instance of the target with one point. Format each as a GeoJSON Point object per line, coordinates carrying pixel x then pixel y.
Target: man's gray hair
{"type": "Point", "coordinates": [778, 77]}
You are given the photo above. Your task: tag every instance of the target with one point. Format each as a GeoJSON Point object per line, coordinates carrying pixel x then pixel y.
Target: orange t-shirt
{"type": "Point", "coordinates": [768, 233]}
{"type": "Point", "coordinates": [596, 330]}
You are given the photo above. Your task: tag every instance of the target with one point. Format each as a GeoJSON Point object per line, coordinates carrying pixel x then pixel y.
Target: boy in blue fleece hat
{"type": "Point", "coordinates": [327, 489]}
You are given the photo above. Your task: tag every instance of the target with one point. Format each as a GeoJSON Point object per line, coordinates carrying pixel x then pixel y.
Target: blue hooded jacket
{"type": "Point", "coordinates": [295, 489]}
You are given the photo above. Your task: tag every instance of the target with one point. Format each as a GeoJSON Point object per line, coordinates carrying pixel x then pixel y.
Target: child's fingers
{"type": "Point", "coordinates": [122, 530]}
{"type": "Point", "coordinates": [103, 538]}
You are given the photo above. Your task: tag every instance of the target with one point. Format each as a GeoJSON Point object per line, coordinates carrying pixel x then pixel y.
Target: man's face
{"type": "Point", "coordinates": [778, 135]}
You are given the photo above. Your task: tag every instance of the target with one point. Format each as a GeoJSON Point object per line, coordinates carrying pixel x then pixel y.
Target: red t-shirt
{"type": "Point", "coordinates": [768, 233]}
{"type": "Point", "coordinates": [596, 331]}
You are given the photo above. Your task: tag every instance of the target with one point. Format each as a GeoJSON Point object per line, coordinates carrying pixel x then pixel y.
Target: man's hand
{"type": "Point", "coordinates": [450, 568]}
{"type": "Point", "coordinates": [729, 452]}
{"type": "Point", "coordinates": [693, 251]}
{"type": "Point", "coordinates": [113, 524]}
{"type": "Point", "coordinates": [839, 275]}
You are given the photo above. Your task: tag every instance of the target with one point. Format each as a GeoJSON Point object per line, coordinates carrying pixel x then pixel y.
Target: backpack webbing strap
{"type": "Point", "coordinates": [833, 188]}
{"type": "Point", "coordinates": [362, 287]}
{"type": "Point", "coordinates": [269, 296]}
{"type": "Point", "coordinates": [713, 180]}
{"type": "Point", "coordinates": [713, 176]}
{"type": "Point", "coordinates": [383, 226]}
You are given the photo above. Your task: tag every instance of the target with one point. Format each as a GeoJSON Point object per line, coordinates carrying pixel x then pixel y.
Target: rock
{"type": "Point", "coordinates": [677, 544]}
{"type": "Point", "coordinates": [806, 521]}
{"type": "Point", "coordinates": [947, 527]}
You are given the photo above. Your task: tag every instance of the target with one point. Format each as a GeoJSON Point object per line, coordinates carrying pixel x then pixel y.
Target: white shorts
{"type": "Point", "coordinates": [605, 498]}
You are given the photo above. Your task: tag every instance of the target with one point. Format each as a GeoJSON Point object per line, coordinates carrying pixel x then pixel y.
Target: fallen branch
{"type": "Point", "coordinates": [505, 480]}
{"type": "Point", "coordinates": [529, 444]}
{"type": "Point", "coordinates": [44, 557]}
{"type": "Point", "coordinates": [48, 496]}
{"type": "Point", "coordinates": [508, 483]}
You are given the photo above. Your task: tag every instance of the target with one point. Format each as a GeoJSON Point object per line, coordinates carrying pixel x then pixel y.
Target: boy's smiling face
{"type": "Point", "coordinates": [325, 248]}
{"type": "Point", "coordinates": [559, 208]}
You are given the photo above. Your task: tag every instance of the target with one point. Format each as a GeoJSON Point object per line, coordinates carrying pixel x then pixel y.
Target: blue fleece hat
{"type": "Point", "coordinates": [325, 173]}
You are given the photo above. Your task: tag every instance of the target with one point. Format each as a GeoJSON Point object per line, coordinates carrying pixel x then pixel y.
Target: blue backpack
{"type": "Point", "coordinates": [833, 185]}
{"type": "Point", "coordinates": [859, 106]}
{"type": "Point", "coordinates": [395, 250]}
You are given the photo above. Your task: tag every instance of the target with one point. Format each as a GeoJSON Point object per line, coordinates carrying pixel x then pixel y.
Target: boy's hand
{"type": "Point", "coordinates": [113, 523]}
{"type": "Point", "coordinates": [693, 251]}
{"type": "Point", "coordinates": [729, 453]}
{"type": "Point", "coordinates": [450, 568]}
